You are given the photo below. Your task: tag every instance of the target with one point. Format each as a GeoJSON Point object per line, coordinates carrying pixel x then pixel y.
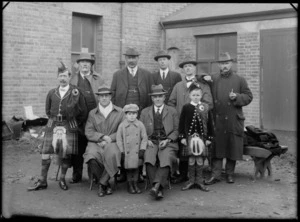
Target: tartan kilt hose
{"type": "Point", "coordinates": [71, 136]}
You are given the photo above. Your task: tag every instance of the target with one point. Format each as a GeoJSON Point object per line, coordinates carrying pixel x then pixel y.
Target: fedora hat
{"type": "Point", "coordinates": [85, 56]}
{"type": "Point", "coordinates": [131, 52]}
{"type": "Point", "coordinates": [157, 90]}
{"type": "Point", "coordinates": [131, 108]}
{"type": "Point", "coordinates": [103, 90]}
{"type": "Point", "coordinates": [162, 53]}
{"type": "Point", "coordinates": [187, 60]}
{"type": "Point", "coordinates": [224, 57]}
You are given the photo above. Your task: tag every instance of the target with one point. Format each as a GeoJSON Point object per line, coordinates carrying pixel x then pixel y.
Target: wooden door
{"type": "Point", "coordinates": [278, 79]}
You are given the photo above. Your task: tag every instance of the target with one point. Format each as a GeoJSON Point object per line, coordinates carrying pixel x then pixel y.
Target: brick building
{"type": "Point", "coordinates": [35, 34]}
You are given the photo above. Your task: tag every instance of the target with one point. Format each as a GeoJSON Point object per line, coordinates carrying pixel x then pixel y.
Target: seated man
{"type": "Point", "coordinates": [161, 122]}
{"type": "Point", "coordinates": [102, 153]}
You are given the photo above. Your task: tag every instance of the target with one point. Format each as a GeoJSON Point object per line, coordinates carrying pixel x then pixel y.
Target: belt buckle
{"type": "Point", "coordinates": [59, 118]}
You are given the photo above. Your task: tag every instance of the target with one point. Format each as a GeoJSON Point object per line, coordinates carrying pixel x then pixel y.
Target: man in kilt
{"type": "Point", "coordinates": [66, 109]}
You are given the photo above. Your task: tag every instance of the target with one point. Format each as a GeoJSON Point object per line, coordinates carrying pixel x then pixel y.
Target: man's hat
{"type": "Point", "coordinates": [103, 90]}
{"type": "Point", "coordinates": [61, 67]}
{"type": "Point", "coordinates": [131, 108]}
{"type": "Point", "coordinates": [157, 90]}
{"type": "Point", "coordinates": [187, 60]}
{"type": "Point", "coordinates": [131, 52]}
{"type": "Point", "coordinates": [162, 53]}
{"type": "Point", "coordinates": [224, 57]}
{"type": "Point", "coordinates": [86, 56]}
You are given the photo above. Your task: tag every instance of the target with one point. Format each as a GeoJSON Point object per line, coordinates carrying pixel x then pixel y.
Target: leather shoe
{"type": "Point", "coordinates": [108, 190]}
{"type": "Point", "coordinates": [189, 185]}
{"type": "Point", "coordinates": [154, 190]}
{"type": "Point", "coordinates": [211, 181]}
{"type": "Point", "coordinates": [39, 185]}
{"type": "Point", "coordinates": [229, 179]}
{"type": "Point", "coordinates": [136, 188]}
{"type": "Point", "coordinates": [62, 184]}
{"type": "Point", "coordinates": [130, 187]}
{"type": "Point", "coordinates": [101, 190]}
{"type": "Point", "coordinates": [160, 194]}
{"type": "Point", "coordinates": [202, 187]}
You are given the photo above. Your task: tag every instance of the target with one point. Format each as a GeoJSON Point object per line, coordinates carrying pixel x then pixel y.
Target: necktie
{"type": "Point", "coordinates": [132, 72]}
{"type": "Point", "coordinates": [163, 74]}
{"type": "Point", "coordinates": [157, 111]}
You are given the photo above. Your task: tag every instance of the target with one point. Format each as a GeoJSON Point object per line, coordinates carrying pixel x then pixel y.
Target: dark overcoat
{"type": "Point", "coordinates": [119, 87]}
{"type": "Point", "coordinates": [228, 114]}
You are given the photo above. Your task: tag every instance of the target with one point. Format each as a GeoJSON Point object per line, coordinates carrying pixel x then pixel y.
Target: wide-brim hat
{"type": "Point", "coordinates": [224, 57]}
{"type": "Point", "coordinates": [162, 53]}
{"type": "Point", "coordinates": [157, 90]}
{"type": "Point", "coordinates": [86, 56]}
{"type": "Point", "coordinates": [103, 90]}
{"type": "Point", "coordinates": [131, 52]}
{"type": "Point", "coordinates": [131, 108]}
{"type": "Point", "coordinates": [187, 60]}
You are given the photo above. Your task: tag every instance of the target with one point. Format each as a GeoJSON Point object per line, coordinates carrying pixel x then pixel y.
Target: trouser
{"type": "Point", "coordinates": [77, 160]}
{"type": "Point", "coordinates": [132, 174]}
{"type": "Point", "coordinates": [217, 164]}
{"type": "Point", "coordinates": [98, 171]}
{"type": "Point", "coordinates": [158, 174]}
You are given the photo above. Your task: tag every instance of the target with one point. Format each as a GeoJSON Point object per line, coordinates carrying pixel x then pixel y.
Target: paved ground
{"type": "Point", "coordinates": [264, 198]}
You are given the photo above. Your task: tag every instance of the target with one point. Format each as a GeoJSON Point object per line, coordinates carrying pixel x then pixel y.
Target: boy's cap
{"type": "Point", "coordinates": [131, 108]}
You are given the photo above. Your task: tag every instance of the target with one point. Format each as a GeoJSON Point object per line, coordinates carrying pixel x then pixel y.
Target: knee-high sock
{"type": "Point", "coordinates": [45, 168]}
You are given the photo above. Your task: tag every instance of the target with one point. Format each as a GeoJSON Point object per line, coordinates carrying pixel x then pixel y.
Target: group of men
{"type": "Point", "coordinates": [84, 116]}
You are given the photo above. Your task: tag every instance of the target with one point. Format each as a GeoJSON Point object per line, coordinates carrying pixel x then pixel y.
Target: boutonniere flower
{"type": "Point", "coordinates": [201, 107]}
{"type": "Point", "coordinates": [75, 92]}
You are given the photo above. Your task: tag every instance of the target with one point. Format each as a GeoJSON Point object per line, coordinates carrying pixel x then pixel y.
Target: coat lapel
{"type": "Point", "coordinates": [123, 77]}
{"type": "Point", "coordinates": [139, 76]}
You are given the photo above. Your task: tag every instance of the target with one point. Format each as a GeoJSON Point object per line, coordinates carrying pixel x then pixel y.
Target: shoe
{"type": "Point", "coordinates": [72, 181]}
{"type": "Point", "coordinates": [136, 188]}
{"type": "Point", "coordinates": [130, 187]}
{"type": "Point", "coordinates": [108, 190]}
{"type": "Point", "coordinates": [189, 185]}
{"type": "Point", "coordinates": [101, 190]}
{"type": "Point", "coordinates": [39, 185]}
{"type": "Point", "coordinates": [202, 187]}
{"type": "Point", "coordinates": [160, 194]}
{"type": "Point", "coordinates": [211, 181]}
{"type": "Point", "coordinates": [154, 190]}
{"type": "Point", "coordinates": [180, 179]}
{"type": "Point", "coordinates": [62, 184]}
{"type": "Point", "coordinates": [229, 179]}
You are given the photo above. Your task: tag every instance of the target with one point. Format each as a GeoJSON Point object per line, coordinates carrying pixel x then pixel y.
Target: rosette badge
{"type": "Point", "coordinates": [75, 92]}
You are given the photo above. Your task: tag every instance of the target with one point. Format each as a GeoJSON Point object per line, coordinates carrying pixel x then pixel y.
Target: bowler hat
{"type": "Point", "coordinates": [103, 90]}
{"type": "Point", "coordinates": [224, 57]}
{"type": "Point", "coordinates": [157, 90]}
{"type": "Point", "coordinates": [187, 60]}
{"type": "Point", "coordinates": [131, 108]}
{"type": "Point", "coordinates": [162, 53]}
{"type": "Point", "coordinates": [131, 52]}
{"type": "Point", "coordinates": [86, 56]}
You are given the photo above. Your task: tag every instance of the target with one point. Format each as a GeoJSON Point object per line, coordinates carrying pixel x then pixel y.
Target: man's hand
{"type": "Point", "coordinates": [207, 78]}
{"type": "Point", "coordinates": [162, 144]}
{"type": "Point", "coordinates": [207, 142]}
{"type": "Point", "coordinates": [232, 95]}
{"type": "Point", "coordinates": [107, 139]}
{"type": "Point", "coordinates": [102, 144]}
{"type": "Point", "coordinates": [150, 143]}
{"type": "Point", "coordinates": [183, 141]}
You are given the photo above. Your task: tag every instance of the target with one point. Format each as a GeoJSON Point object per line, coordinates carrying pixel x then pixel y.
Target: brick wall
{"type": "Point", "coordinates": [35, 34]}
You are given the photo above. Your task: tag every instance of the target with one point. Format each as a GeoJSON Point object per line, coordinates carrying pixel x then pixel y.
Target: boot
{"type": "Point", "coordinates": [130, 187]}
{"type": "Point", "coordinates": [191, 181]}
{"type": "Point", "coordinates": [199, 178]}
{"type": "Point", "coordinates": [135, 186]}
{"type": "Point", "coordinates": [42, 182]}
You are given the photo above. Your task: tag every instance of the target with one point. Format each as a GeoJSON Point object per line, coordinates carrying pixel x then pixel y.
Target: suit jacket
{"type": "Point", "coordinates": [119, 87]}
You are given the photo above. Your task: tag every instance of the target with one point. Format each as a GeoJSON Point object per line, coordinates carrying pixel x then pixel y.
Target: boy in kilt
{"type": "Point", "coordinates": [193, 135]}
{"type": "Point", "coordinates": [66, 109]}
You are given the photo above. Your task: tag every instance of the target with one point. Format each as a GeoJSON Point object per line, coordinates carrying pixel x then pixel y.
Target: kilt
{"type": "Point", "coordinates": [72, 138]}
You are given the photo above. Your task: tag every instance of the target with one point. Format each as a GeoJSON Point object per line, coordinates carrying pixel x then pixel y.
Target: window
{"type": "Point", "coordinates": [209, 48]}
{"type": "Point", "coordinates": [83, 36]}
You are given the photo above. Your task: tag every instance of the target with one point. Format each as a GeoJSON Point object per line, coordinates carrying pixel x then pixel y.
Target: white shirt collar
{"type": "Point", "coordinates": [195, 104]}
{"type": "Point", "coordinates": [160, 108]}
{"type": "Point", "coordinates": [106, 110]}
{"type": "Point", "coordinates": [165, 71]}
{"type": "Point", "coordinates": [63, 90]}
{"type": "Point", "coordinates": [134, 70]}
{"type": "Point", "coordinates": [190, 77]}
{"type": "Point", "coordinates": [82, 75]}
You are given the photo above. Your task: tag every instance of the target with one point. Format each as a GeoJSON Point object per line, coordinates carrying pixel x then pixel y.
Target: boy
{"type": "Point", "coordinates": [193, 135]}
{"type": "Point", "coordinates": [132, 141]}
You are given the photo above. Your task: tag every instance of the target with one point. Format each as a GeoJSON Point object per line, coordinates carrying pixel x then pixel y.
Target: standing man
{"type": "Point", "coordinates": [102, 153]}
{"type": "Point", "coordinates": [131, 85]}
{"type": "Point", "coordinates": [65, 107]}
{"type": "Point", "coordinates": [165, 76]}
{"type": "Point", "coordinates": [161, 122]}
{"type": "Point", "coordinates": [180, 96]}
{"type": "Point", "coordinates": [88, 83]}
{"type": "Point", "coordinates": [230, 92]}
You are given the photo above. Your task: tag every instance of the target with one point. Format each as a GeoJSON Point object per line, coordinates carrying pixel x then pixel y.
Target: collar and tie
{"type": "Point", "coordinates": [63, 89]}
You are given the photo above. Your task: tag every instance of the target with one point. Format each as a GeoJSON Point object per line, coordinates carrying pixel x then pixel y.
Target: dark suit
{"type": "Point", "coordinates": [119, 87]}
